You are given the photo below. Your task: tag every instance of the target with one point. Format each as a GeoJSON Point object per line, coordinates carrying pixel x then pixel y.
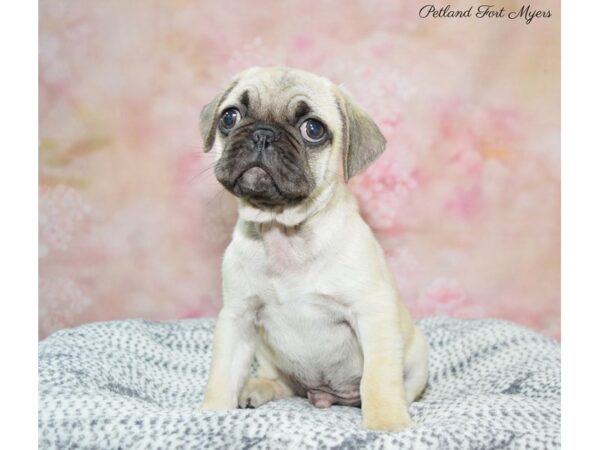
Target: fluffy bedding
{"type": "Point", "coordinates": [139, 384]}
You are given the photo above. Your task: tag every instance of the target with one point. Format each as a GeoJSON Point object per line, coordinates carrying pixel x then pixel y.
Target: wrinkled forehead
{"type": "Point", "coordinates": [275, 95]}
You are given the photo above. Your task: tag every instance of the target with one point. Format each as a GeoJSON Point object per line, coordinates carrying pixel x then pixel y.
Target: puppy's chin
{"type": "Point", "coordinates": [287, 214]}
{"type": "Point", "coordinates": [258, 187]}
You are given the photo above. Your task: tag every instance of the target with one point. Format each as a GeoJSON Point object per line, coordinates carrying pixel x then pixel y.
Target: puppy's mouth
{"type": "Point", "coordinates": [258, 187]}
{"type": "Point", "coordinates": [254, 181]}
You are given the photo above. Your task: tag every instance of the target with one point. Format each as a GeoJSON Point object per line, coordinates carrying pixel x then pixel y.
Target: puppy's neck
{"type": "Point", "coordinates": [294, 216]}
{"type": "Point", "coordinates": [292, 238]}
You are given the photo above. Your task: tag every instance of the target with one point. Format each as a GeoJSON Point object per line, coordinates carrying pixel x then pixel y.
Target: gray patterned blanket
{"type": "Point", "coordinates": [138, 384]}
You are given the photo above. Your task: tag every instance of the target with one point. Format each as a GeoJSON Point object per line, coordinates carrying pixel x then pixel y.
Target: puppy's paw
{"type": "Point", "coordinates": [389, 422]}
{"type": "Point", "coordinates": [256, 392]}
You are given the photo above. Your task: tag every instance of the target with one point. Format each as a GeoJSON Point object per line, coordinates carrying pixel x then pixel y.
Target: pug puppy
{"type": "Point", "coordinates": [306, 287]}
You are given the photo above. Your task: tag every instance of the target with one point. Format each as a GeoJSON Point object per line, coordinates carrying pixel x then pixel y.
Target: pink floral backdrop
{"type": "Point", "coordinates": [466, 199]}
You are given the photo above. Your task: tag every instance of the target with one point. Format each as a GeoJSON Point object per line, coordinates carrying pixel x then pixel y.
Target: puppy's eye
{"type": "Point", "coordinates": [312, 130]}
{"type": "Point", "coordinates": [229, 118]}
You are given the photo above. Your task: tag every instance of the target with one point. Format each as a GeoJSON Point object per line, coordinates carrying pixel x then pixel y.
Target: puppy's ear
{"type": "Point", "coordinates": [209, 118]}
{"type": "Point", "coordinates": [362, 141]}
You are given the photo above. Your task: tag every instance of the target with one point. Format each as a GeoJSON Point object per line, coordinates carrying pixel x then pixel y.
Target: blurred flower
{"type": "Point", "coordinates": [61, 211]}
{"type": "Point", "coordinates": [443, 296]}
{"type": "Point", "coordinates": [61, 303]}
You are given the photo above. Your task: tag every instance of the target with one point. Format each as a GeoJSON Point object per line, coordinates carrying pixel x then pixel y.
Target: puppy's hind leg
{"type": "Point", "coordinates": [268, 385]}
{"type": "Point", "coordinates": [259, 391]}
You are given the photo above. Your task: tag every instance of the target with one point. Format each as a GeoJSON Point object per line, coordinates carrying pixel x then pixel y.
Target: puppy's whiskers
{"type": "Point", "coordinates": [203, 172]}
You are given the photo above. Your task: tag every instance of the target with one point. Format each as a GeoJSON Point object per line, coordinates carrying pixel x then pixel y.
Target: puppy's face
{"type": "Point", "coordinates": [280, 135]}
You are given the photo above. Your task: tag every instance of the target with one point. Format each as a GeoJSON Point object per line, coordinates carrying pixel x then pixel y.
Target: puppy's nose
{"type": "Point", "coordinates": [263, 136]}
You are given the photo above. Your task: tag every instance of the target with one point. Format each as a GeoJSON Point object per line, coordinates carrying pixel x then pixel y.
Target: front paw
{"type": "Point", "coordinates": [386, 421]}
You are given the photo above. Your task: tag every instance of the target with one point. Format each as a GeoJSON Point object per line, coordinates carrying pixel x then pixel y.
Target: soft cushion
{"type": "Point", "coordinates": [139, 384]}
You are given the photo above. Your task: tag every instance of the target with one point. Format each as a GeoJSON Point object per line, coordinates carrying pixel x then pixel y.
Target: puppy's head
{"type": "Point", "coordinates": [281, 135]}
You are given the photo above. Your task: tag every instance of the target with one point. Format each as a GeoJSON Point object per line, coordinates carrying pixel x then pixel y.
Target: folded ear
{"type": "Point", "coordinates": [362, 141]}
{"type": "Point", "coordinates": [209, 118]}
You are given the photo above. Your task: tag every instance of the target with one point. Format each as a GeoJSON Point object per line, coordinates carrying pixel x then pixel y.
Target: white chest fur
{"type": "Point", "coordinates": [313, 344]}
{"type": "Point", "coordinates": [308, 330]}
